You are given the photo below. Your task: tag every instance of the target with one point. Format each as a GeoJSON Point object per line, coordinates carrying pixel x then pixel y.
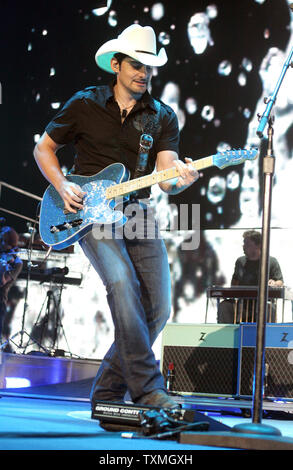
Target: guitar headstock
{"type": "Point", "coordinates": [234, 157]}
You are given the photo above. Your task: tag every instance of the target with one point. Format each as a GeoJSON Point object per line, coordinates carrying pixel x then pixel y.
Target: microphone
{"type": "Point", "coordinates": [124, 113]}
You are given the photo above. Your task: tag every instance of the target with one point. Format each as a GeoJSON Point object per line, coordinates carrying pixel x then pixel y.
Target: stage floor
{"type": "Point", "coordinates": [58, 417]}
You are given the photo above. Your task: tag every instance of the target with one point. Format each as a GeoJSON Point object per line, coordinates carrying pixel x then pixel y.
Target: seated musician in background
{"type": "Point", "coordinates": [10, 266]}
{"type": "Point", "coordinates": [246, 273]}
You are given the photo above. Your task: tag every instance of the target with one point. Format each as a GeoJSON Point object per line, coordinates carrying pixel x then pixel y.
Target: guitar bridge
{"type": "Point", "coordinates": [65, 226]}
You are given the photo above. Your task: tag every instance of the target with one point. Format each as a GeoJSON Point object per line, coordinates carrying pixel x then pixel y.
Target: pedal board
{"type": "Point", "coordinates": [123, 416]}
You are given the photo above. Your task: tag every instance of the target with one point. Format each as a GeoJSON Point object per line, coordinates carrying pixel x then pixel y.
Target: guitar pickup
{"type": "Point", "coordinates": [65, 226]}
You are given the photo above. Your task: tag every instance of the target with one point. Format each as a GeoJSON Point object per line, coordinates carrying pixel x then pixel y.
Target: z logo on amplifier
{"type": "Point", "coordinates": [284, 338]}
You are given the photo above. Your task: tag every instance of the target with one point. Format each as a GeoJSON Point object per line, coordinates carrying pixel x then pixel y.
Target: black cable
{"type": "Point", "coordinates": [200, 426]}
{"type": "Point", "coordinates": [158, 424]}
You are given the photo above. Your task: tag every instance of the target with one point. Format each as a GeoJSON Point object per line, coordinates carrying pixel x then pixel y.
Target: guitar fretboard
{"type": "Point", "coordinates": [127, 187]}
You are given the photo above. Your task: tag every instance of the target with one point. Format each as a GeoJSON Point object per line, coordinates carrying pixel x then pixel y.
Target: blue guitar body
{"type": "Point", "coordinates": [60, 230]}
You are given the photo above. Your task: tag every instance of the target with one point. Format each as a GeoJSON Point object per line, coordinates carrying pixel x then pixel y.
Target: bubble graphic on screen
{"type": "Point", "coordinates": [208, 113]}
{"type": "Point", "coordinates": [112, 19]}
{"type": "Point", "coordinates": [164, 38]}
{"type": "Point", "coordinates": [199, 32]}
{"type": "Point", "coordinates": [233, 180]}
{"type": "Point", "coordinates": [102, 10]}
{"type": "Point", "coordinates": [157, 11]}
{"type": "Point", "coordinates": [216, 189]}
{"type": "Point", "coordinates": [247, 64]}
{"type": "Point", "coordinates": [225, 68]}
{"type": "Point", "coordinates": [191, 105]}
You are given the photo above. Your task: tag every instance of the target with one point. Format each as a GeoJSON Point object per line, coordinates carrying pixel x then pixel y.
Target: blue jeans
{"type": "Point", "coordinates": [137, 280]}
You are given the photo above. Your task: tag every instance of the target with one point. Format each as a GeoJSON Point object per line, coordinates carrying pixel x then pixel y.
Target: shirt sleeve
{"type": "Point", "coordinates": [275, 270]}
{"type": "Point", "coordinates": [169, 137]}
{"type": "Point", "coordinates": [63, 128]}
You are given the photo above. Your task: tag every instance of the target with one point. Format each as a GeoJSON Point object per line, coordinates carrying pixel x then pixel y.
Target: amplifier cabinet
{"type": "Point", "coordinates": [205, 358]}
{"type": "Point", "coordinates": [278, 358]}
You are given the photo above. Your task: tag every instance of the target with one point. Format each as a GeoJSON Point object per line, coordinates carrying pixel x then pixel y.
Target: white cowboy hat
{"type": "Point", "coordinates": [138, 42]}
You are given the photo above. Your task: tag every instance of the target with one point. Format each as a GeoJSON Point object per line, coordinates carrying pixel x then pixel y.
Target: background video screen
{"type": "Point", "coordinates": [224, 61]}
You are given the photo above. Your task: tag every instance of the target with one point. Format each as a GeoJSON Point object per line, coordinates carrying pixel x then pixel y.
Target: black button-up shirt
{"type": "Point", "coordinates": [91, 120]}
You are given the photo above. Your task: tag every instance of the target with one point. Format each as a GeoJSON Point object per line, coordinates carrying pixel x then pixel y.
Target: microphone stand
{"type": "Point", "coordinates": [29, 267]}
{"type": "Point", "coordinates": [268, 172]}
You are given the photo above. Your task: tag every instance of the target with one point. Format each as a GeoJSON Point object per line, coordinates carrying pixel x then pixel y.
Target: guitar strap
{"type": "Point", "coordinates": [149, 125]}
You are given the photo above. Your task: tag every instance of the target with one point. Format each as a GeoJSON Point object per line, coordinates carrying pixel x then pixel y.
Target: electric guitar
{"type": "Point", "coordinates": [60, 229]}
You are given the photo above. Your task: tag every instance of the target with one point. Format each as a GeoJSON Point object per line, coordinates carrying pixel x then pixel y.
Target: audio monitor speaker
{"type": "Point", "coordinates": [204, 356]}
{"type": "Point", "coordinates": [278, 368]}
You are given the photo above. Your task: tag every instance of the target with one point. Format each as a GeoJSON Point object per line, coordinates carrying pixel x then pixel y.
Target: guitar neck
{"type": "Point", "coordinates": [130, 186]}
